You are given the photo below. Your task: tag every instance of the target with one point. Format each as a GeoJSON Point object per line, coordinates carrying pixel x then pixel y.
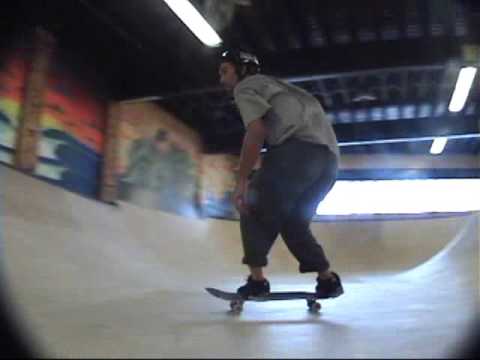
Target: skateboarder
{"type": "Point", "coordinates": [297, 172]}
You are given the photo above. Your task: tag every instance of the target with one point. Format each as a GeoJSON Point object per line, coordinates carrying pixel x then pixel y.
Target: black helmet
{"type": "Point", "coordinates": [242, 58]}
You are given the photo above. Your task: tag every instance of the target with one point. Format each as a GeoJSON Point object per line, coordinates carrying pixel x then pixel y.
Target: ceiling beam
{"type": "Point", "coordinates": [360, 57]}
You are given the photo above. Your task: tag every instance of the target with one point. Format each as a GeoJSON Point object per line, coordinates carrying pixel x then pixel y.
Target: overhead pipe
{"type": "Point", "coordinates": [407, 140]}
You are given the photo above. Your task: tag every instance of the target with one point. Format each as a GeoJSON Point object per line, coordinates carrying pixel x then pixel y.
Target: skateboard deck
{"type": "Point", "coordinates": [236, 300]}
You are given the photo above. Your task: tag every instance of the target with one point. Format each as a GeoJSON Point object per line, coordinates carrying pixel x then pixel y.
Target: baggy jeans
{"type": "Point", "coordinates": [282, 198]}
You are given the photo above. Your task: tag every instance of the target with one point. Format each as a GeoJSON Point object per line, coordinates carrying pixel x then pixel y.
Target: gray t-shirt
{"type": "Point", "coordinates": [288, 111]}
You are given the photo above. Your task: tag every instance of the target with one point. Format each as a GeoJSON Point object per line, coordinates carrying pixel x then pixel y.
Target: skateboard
{"type": "Point", "coordinates": [237, 301]}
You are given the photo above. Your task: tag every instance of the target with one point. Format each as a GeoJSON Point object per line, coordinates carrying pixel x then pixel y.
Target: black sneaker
{"type": "Point", "coordinates": [329, 288]}
{"type": "Point", "coordinates": [254, 288]}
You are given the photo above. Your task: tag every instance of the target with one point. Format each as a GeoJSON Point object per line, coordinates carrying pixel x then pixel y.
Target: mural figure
{"type": "Point", "coordinates": [159, 175]}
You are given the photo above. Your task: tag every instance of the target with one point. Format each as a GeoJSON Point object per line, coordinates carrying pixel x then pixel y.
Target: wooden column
{"type": "Point", "coordinates": [29, 131]}
{"type": "Point", "coordinates": [109, 185]}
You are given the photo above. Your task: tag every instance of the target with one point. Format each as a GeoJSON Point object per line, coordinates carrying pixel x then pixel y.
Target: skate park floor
{"type": "Point", "coordinates": [86, 279]}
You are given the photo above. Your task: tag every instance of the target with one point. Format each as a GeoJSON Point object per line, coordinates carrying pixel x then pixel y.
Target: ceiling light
{"type": "Point", "coordinates": [195, 22]}
{"type": "Point", "coordinates": [462, 88]}
{"type": "Point", "coordinates": [438, 146]}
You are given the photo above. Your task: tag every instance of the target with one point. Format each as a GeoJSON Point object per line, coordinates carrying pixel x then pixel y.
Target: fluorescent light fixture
{"type": "Point", "coordinates": [438, 145]}
{"type": "Point", "coordinates": [195, 22]}
{"type": "Point", "coordinates": [462, 88]}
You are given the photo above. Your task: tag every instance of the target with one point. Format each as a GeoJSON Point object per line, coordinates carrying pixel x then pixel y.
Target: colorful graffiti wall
{"type": "Point", "coordinates": [13, 70]}
{"type": "Point", "coordinates": [72, 122]}
{"type": "Point", "coordinates": [158, 161]}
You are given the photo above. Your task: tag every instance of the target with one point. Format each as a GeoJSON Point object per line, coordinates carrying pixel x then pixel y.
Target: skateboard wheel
{"type": "Point", "coordinates": [236, 306]}
{"type": "Point", "coordinates": [314, 306]}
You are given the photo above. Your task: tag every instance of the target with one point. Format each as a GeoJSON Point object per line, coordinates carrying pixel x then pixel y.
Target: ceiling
{"type": "Point", "coordinates": [383, 70]}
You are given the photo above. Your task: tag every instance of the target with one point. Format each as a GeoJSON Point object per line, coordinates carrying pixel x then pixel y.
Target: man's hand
{"type": "Point", "coordinates": [240, 196]}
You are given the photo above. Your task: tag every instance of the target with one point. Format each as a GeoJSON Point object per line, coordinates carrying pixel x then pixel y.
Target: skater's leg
{"type": "Point", "coordinates": [260, 227]}
{"type": "Point", "coordinates": [299, 238]}
{"type": "Point", "coordinates": [257, 240]}
{"type": "Point", "coordinates": [296, 226]}
{"type": "Point", "coordinates": [257, 273]}
{"type": "Point", "coordinates": [303, 245]}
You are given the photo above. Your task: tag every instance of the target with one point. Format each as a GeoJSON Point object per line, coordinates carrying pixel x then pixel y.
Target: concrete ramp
{"type": "Point", "coordinates": [92, 280]}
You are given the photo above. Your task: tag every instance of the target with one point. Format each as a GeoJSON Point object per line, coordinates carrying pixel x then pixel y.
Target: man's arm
{"type": "Point", "coordinates": [252, 145]}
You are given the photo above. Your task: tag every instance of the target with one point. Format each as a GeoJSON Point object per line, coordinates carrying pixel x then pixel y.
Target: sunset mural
{"type": "Point", "coordinates": [72, 124]}
{"type": "Point", "coordinates": [12, 79]}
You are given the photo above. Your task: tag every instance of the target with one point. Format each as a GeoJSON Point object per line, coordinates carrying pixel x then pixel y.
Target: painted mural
{"type": "Point", "coordinates": [218, 185]}
{"type": "Point", "coordinates": [72, 124]}
{"type": "Point", "coordinates": [158, 160]}
{"type": "Point", "coordinates": [13, 71]}
{"type": "Point", "coordinates": [73, 121]}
